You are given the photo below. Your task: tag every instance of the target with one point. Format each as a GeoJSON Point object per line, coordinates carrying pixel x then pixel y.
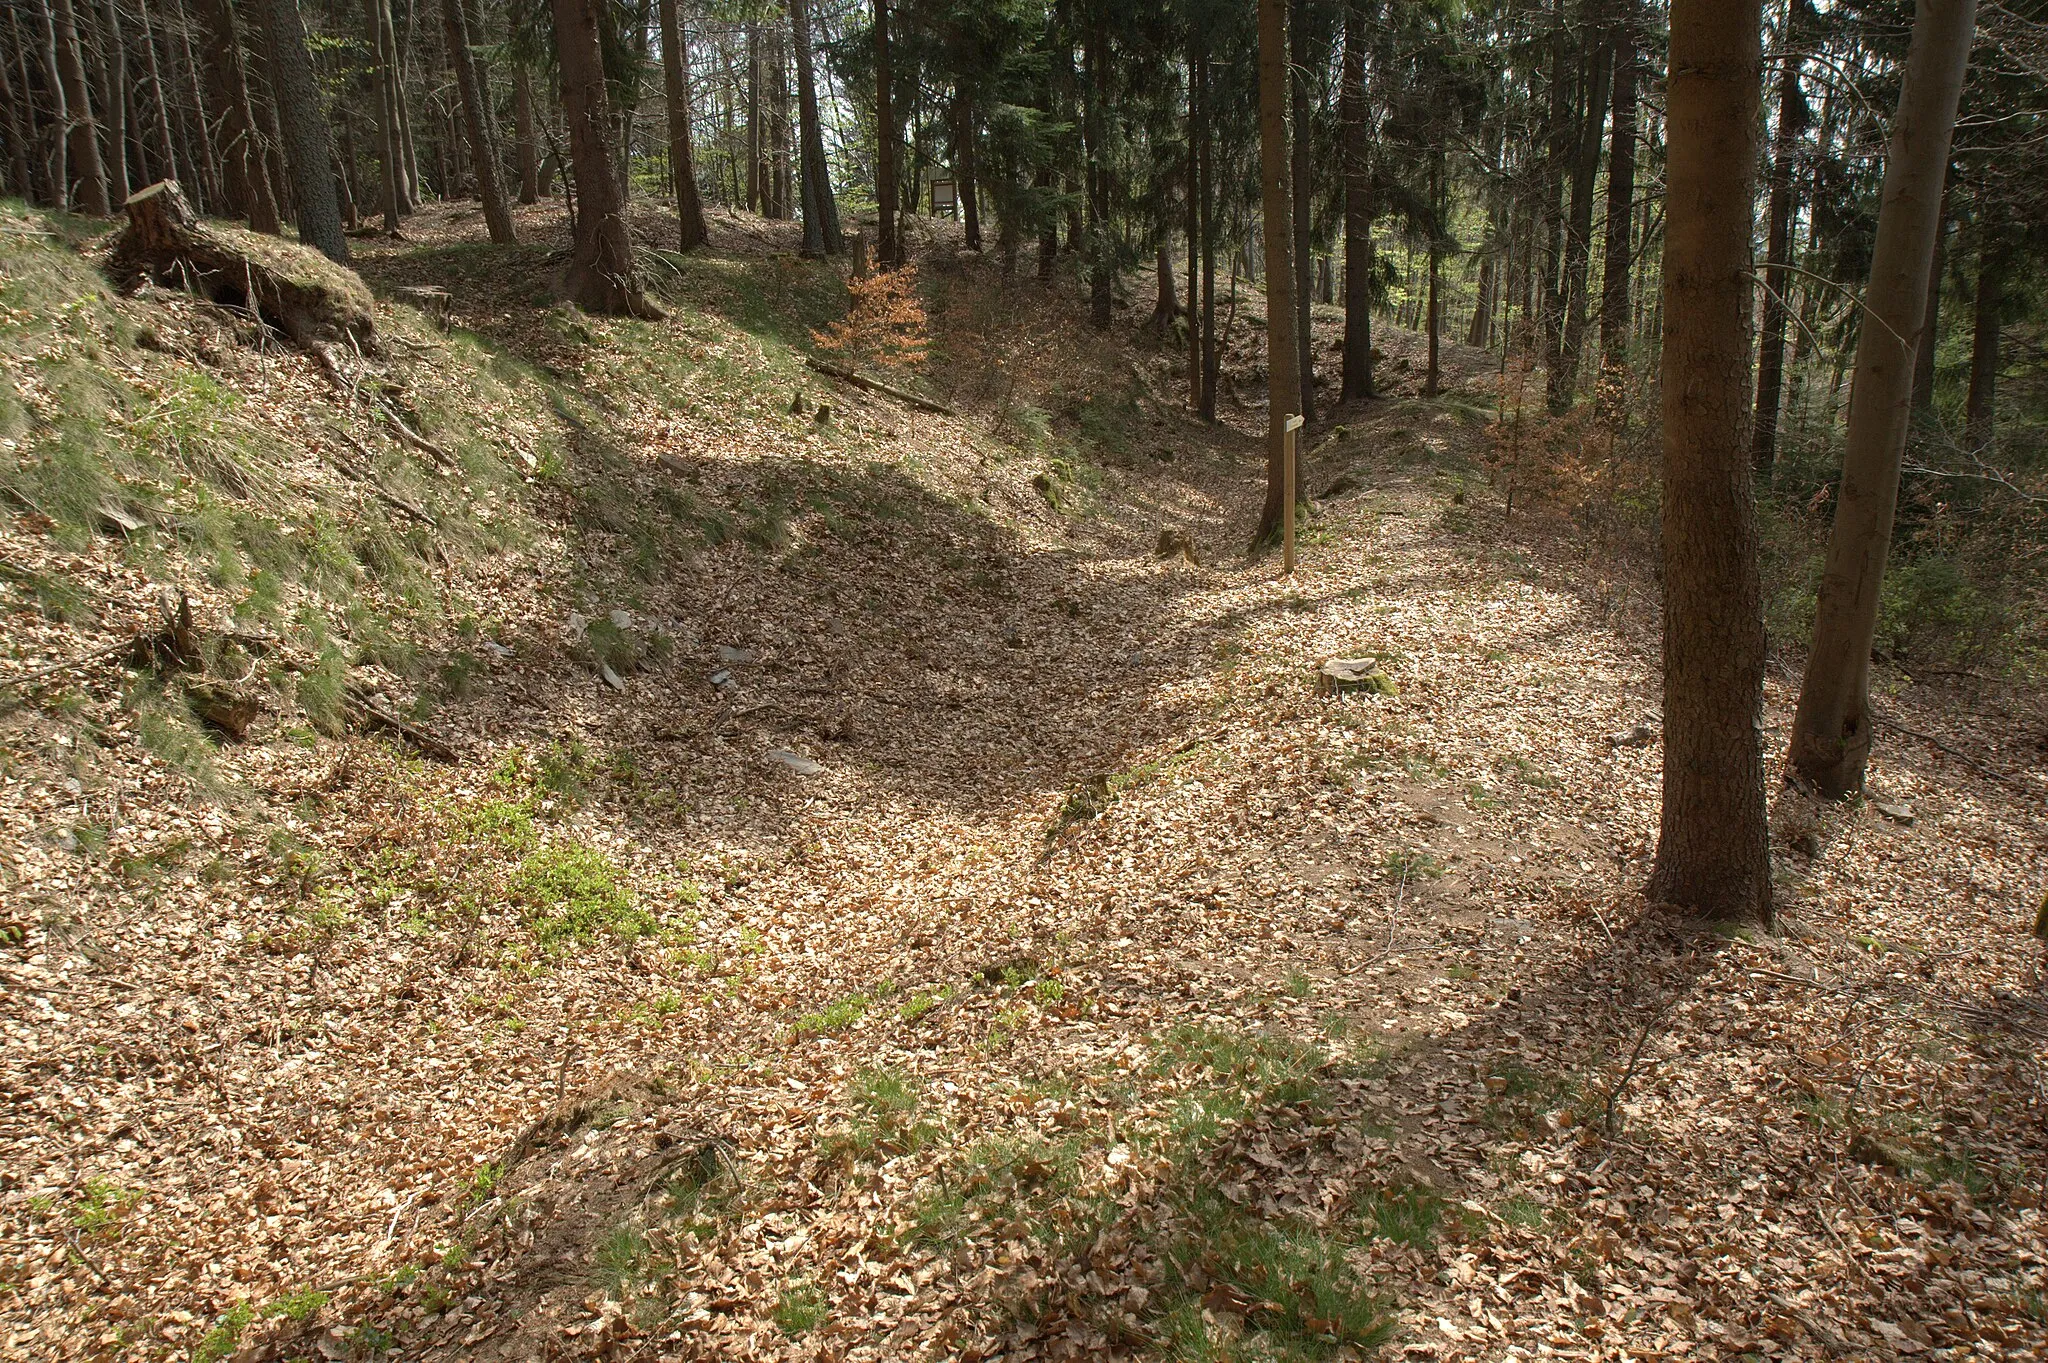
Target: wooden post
{"type": "Point", "coordinates": [1289, 439]}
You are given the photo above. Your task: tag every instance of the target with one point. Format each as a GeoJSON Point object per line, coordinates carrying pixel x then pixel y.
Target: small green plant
{"type": "Point", "coordinates": [226, 1334]}
{"type": "Point", "coordinates": [1406, 1215]}
{"type": "Point", "coordinates": [1413, 864]}
{"type": "Point", "coordinates": [799, 1309]}
{"type": "Point", "coordinates": [1529, 774]}
{"type": "Point", "coordinates": [101, 1205]}
{"type": "Point", "coordinates": [301, 1305]}
{"type": "Point", "coordinates": [568, 894]}
{"type": "Point", "coordinates": [619, 1261]}
{"type": "Point", "coordinates": [1298, 984]}
{"type": "Point", "coordinates": [835, 1018]}
{"type": "Point", "coordinates": [1522, 1210]}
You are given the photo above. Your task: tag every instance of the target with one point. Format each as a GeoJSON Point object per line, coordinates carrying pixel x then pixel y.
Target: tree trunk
{"type": "Point", "coordinates": [968, 188]}
{"type": "Point", "coordinates": [20, 117]}
{"type": "Point", "coordinates": [821, 208]}
{"type": "Point", "coordinates": [1165, 302]}
{"type": "Point", "coordinates": [1205, 194]}
{"type": "Point", "coordinates": [1621, 191]}
{"type": "Point", "coordinates": [888, 245]}
{"type": "Point", "coordinates": [200, 147]}
{"type": "Point", "coordinates": [476, 118]}
{"type": "Point", "coordinates": [754, 140]}
{"type": "Point", "coordinates": [692, 231]}
{"type": "Point", "coordinates": [1283, 384]}
{"type": "Point", "coordinates": [86, 166]}
{"type": "Point", "coordinates": [303, 117]}
{"type": "Point", "coordinates": [1980, 415]}
{"type": "Point", "coordinates": [1770, 368]}
{"type": "Point", "coordinates": [113, 73]}
{"type": "Point", "coordinates": [410, 188]}
{"type": "Point", "coordinates": [600, 275]}
{"type": "Point", "coordinates": [1551, 173]}
{"type": "Point", "coordinates": [162, 143]}
{"type": "Point", "coordinates": [392, 176]}
{"type": "Point", "coordinates": [1831, 732]}
{"type": "Point", "coordinates": [526, 145]}
{"type": "Point", "coordinates": [1433, 375]}
{"type": "Point", "coordinates": [1925, 353]}
{"type": "Point", "coordinates": [1302, 179]}
{"type": "Point", "coordinates": [1358, 262]}
{"type": "Point", "coordinates": [247, 179]}
{"type": "Point", "coordinates": [1713, 850]}
{"type": "Point", "coordinates": [1101, 252]}
{"type": "Point", "coordinates": [1564, 375]}
{"type": "Point", "coordinates": [58, 166]}
{"type": "Point", "coordinates": [344, 168]}
{"type": "Point", "coordinates": [1193, 229]}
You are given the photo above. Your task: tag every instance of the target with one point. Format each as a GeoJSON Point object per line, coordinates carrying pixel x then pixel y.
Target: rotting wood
{"type": "Point", "coordinates": [923, 404]}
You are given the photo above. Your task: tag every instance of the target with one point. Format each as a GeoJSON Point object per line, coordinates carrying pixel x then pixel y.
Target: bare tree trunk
{"type": "Point", "coordinates": [1101, 252]}
{"type": "Point", "coordinates": [1621, 190]}
{"type": "Point", "coordinates": [1193, 229]}
{"type": "Point", "coordinates": [86, 165]}
{"type": "Point", "coordinates": [754, 140]}
{"type": "Point", "coordinates": [1551, 173]}
{"type": "Point", "coordinates": [410, 190]}
{"type": "Point", "coordinates": [1924, 354]}
{"type": "Point", "coordinates": [1831, 731]}
{"type": "Point", "coordinates": [526, 147]}
{"type": "Point", "coordinates": [600, 276]}
{"type": "Point", "coordinates": [476, 117]}
{"type": "Point", "coordinates": [389, 154]}
{"type": "Point", "coordinates": [1770, 369]}
{"type": "Point", "coordinates": [1302, 180]}
{"type": "Point", "coordinates": [1356, 209]}
{"type": "Point", "coordinates": [1981, 412]}
{"type": "Point", "coordinates": [1564, 375]}
{"type": "Point", "coordinates": [162, 143]}
{"type": "Point", "coordinates": [1713, 850]}
{"type": "Point", "coordinates": [113, 74]}
{"type": "Point", "coordinates": [309, 151]}
{"type": "Point", "coordinates": [1205, 138]}
{"type": "Point", "coordinates": [20, 117]}
{"type": "Point", "coordinates": [969, 187]}
{"type": "Point", "coordinates": [1432, 376]}
{"type": "Point", "coordinates": [820, 206]}
{"type": "Point", "coordinates": [59, 165]}
{"type": "Point", "coordinates": [247, 182]}
{"type": "Point", "coordinates": [888, 245]}
{"type": "Point", "coordinates": [1283, 384]}
{"type": "Point", "coordinates": [200, 148]}
{"type": "Point", "coordinates": [675, 62]}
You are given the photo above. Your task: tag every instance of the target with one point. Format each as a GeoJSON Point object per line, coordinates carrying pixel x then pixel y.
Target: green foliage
{"type": "Point", "coordinates": [1406, 1215]}
{"type": "Point", "coordinates": [568, 894]}
{"type": "Point", "coordinates": [222, 1339]}
{"type": "Point", "coordinates": [619, 1261]}
{"type": "Point", "coordinates": [800, 1308]}
{"type": "Point", "coordinates": [835, 1018]}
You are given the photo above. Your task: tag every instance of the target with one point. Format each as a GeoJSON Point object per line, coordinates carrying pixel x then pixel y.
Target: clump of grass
{"type": "Point", "coordinates": [1406, 1215]}
{"type": "Point", "coordinates": [1413, 864]}
{"type": "Point", "coordinates": [619, 1261]}
{"type": "Point", "coordinates": [836, 1018]}
{"type": "Point", "coordinates": [568, 894]}
{"type": "Point", "coordinates": [800, 1308]}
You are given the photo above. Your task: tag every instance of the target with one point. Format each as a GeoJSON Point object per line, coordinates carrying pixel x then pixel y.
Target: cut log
{"type": "Point", "coordinates": [1341, 675]}
{"type": "Point", "coordinates": [844, 375]}
{"type": "Point", "coordinates": [294, 288]}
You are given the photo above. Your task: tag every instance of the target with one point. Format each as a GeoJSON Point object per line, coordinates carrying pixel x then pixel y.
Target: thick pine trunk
{"type": "Point", "coordinates": [1621, 193]}
{"type": "Point", "coordinates": [755, 142]}
{"type": "Point", "coordinates": [691, 229]}
{"type": "Point", "coordinates": [309, 153]}
{"type": "Point", "coordinates": [1770, 368]}
{"type": "Point", "coordinates": [1432, 376]}
{"type": "Point", "coordinates": [888, 245]}
{"type": "Point", "coordinates": [1832, 729]}
{"type": "Point", "coordinates": [1981, 411]}
{"type": "Point", "coordinates": [1551, 175]}
{"type": "Point", "coordinates": [162, 143]}
{"type": "Point", "coordinates": [1713, 851]}
{"type": "Point", "coordinates": [1205, 195]}
{"type": "Point", "coordinates": [1358, 263]}
{"type": "Point", "coordinates": [476, 118]}
{"type": "Point", "coordinates": [87, 169]}
{"type": "Point", "coordinates": [1276, 199]}
{"type": "Point", "coordinates": [1193, 230]}
{"type": "Point", "coordinates": [246, 179]}
{"type": "Point", "coordinates": [969, 188]}
{"type": "Point", "coordinates": [600, 276]}
{"type": "Point", "coordinates": [820, 206]}
{"type": "Point", "coordinates": [57, 168]}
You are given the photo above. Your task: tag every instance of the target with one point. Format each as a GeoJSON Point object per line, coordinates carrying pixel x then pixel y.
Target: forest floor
{"type": "Point", "coordinates": [954, 930]}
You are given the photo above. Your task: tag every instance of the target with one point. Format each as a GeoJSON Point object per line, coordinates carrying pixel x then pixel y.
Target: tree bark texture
{"type": "Point", "coordinates": [888, 244]}
{"type": "Point", "coordinates": [1276, 195]}
{"type": "Point", "coordinates": [600, 276]}
{"type": "Point", "coordinates": [309, 151]}
{"type": "Point", "coordinates": [1713, 853]}
{"type": "Point", "coordinates": [1831, 731]}
{"type": "Point", "coordinates": [87, 169]}
{"type": "Point", "coordinates": [691, 229]}
{"type": "Point", "coordinates": [1621, 190]}
{"type": "Point", "coordinates": [820, 206]}
{"type": "Point", "coordinates": [1770, 367]}
{"type": "Point", "coordinates": [1358, 261]}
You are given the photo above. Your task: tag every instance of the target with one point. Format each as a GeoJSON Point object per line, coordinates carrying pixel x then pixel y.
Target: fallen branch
{"type": "Point", "coordinates": [376, 715]}
{"type": "Point", "coordinates": [28, 680]}
{"type": "Point", "coordinates": [1973, 763]}
{"type": "Point", "coordinates": [844, 375]}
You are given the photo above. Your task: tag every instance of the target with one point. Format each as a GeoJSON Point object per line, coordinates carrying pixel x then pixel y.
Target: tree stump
{"type": "Point", "coordinates": [294, 288]}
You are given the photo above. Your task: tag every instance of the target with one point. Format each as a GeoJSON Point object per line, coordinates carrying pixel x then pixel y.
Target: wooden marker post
{"type": "Point", "coordinates": [1287, 446]}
